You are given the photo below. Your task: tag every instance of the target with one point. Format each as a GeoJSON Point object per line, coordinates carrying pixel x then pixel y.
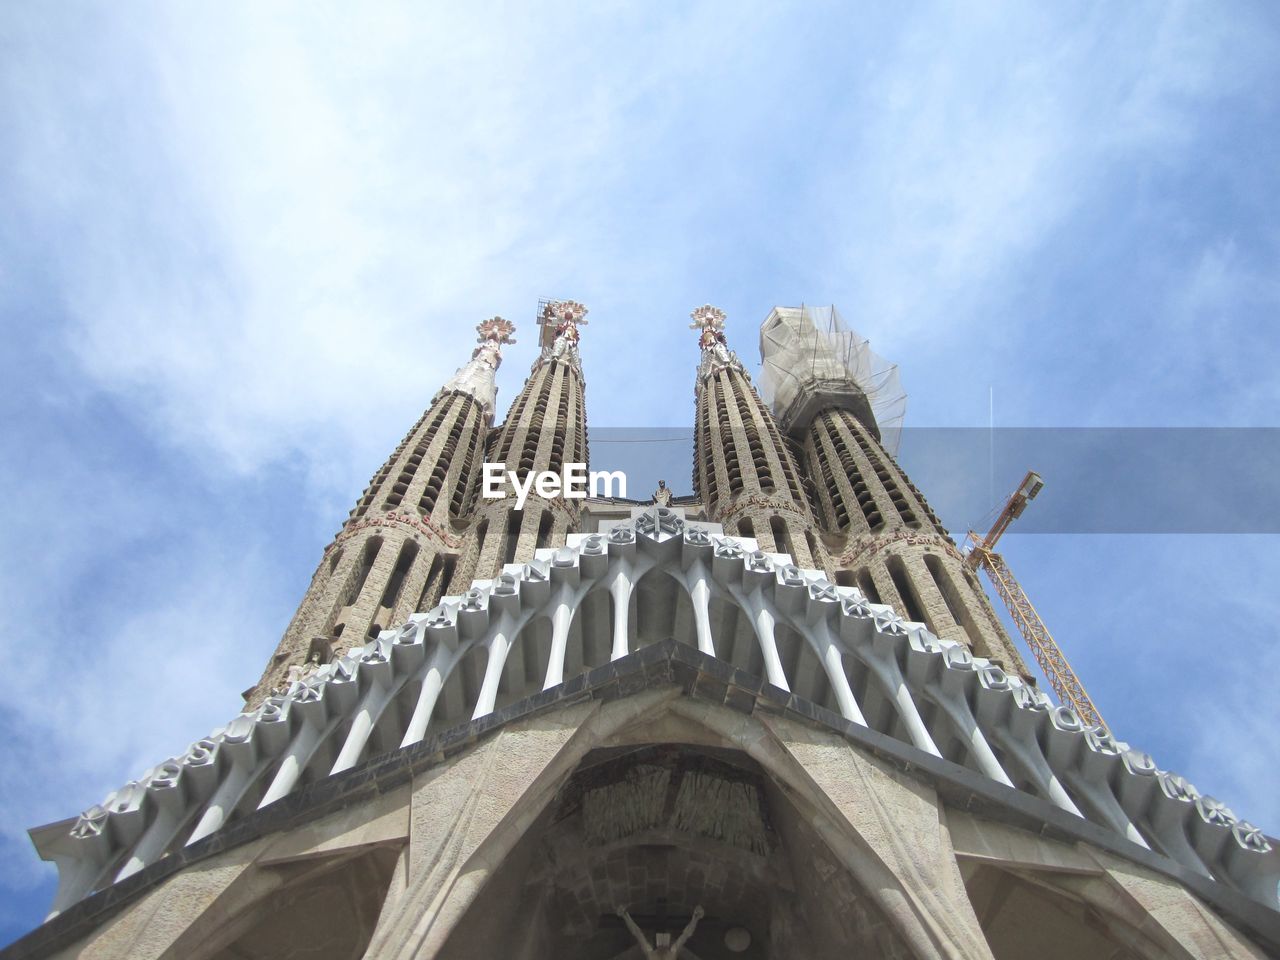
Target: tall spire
{"type": "Point", "coordinates": [398, 548]}
{"type": "Point", "coordinates": [743, 469]}
{"type": "Point", "coordinates": [476, 376]}
{"type": "Point", "coordinates": [881, 534]}
{"type": "Point", "coordinates": [545, 429]}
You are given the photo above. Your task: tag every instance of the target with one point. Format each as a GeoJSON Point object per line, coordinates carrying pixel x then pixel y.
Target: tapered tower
{"type": "Point", "coordinates": [744, 470]}
{"type": "Point", "coordinates": [885, 539]}
{"type": "Point", "coordinates": [400, 544]}
{"type": "Point", "coordinates": [545, 429]}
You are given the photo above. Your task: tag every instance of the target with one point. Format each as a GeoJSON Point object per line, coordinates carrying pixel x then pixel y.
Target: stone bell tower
{"type": "Point", "coordinates": [397, 549]}
{"type": "Point", "coordinates": [885, 539]}
{"type": "Point", "coordinates": [545, 429]}
{"type": "Point", "coordinates": [744, 471]}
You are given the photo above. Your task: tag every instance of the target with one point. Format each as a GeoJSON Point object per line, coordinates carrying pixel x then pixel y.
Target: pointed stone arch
{"type": "Point", "coordinates": [479, 872]}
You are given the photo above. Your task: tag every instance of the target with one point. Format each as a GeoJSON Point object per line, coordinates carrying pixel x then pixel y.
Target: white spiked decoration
{"type": "Point", "coordinates": [707, 317]}
{"type": "Point", "coordinates": [566, 311]}
{"type": "Point", "coordinates": [496, 329]}
{"type": "Point", "coordinates": [862, 665]}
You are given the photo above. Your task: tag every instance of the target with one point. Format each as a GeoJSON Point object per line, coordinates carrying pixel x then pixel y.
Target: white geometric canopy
{"type": "Point", "coordinates": [653, 577]}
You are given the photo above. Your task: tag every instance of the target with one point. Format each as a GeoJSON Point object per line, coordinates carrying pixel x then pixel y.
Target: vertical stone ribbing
{"type": "Point", "coordinates": [743, 469]}
{"type": "Point", "coordinates": [862, 488]}
{"type": "Point", "coordinates": [893, 542]}
{"type": "Point", "coordinates": [397, 547]}
{"type": "Point", "coordinates": [545, 429]}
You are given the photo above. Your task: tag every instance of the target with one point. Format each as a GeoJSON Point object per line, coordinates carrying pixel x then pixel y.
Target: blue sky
{"type": "Point", "coordinates": [243, 245]}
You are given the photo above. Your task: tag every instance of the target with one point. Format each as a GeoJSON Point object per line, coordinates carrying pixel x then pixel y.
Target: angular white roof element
{"type": "Point", "coordinates": [824, 647]}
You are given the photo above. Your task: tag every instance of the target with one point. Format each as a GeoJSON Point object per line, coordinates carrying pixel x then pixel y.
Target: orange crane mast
{"type": "Point", "coordinates": [1048, 654]}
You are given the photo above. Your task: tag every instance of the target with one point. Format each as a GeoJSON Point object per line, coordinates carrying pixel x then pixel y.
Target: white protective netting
{"type": "Point", "coordinates": [807, 346]}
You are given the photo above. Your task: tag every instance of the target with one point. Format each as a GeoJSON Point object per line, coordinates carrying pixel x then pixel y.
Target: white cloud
{"type": "Point", "coordinates": [982, 136]}
{"type": "Point", "coordinates": [287, 221]}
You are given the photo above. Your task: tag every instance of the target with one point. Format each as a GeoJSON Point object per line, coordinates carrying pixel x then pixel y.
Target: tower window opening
{"type": "Point", "coordinates": [562, 418]}
{"type": "Point", "coordinates": [729, 444]}
{"type": "Point", "coordinates": [545, 525]}
{"type": "Point", "coordinates": [907, 591]}
{"type": "Point", "coordinates": [446, 575]}
{"type": "Point", "coordinates": [515, 520]}
{"type": "Point", "coordinates": [952, 599]}
{"type": "Point", "coordinates": [355, 583]}
{"type": "Point", "coordinates": [512, 425]}
{"type": "Point", "coordinates": [425, 599]}
{"type": "Point", "coordinates": [884, 475]}
{"type": "Point", "coordinates": [444, 462]}
{"type": "Point", "coordinates": [411, 464]}
{"type": "Point", "coordinates": [391, 594]}
{"type": "Point", "coordinates": [361, 573]}
{"type": "Point", "coordinates": [580, 453]}
{"type": "Point", "coordinates": [781, 539]}
{"type": "Point", "coordinates": [812, 542]}
{"type": "Point", "coordinates": [867, 584]}
{"type": "Point", "coordinates": [464, 488]}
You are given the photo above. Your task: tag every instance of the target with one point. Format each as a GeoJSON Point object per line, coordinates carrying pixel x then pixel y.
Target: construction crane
{"type": "Point", "coordinates": [1048, 654]}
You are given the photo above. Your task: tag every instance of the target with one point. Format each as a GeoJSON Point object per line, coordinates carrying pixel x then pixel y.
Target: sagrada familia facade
{"type": "Point", "coordinates": [775, 718]}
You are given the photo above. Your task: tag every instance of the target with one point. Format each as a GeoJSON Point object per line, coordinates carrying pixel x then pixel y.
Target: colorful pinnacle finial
{"type": "Point", "coordinates": [708, 317]}
{"type": "Point", "coordinates": [564, 311]}
{"type": "Point", "coordinates": [559, 340]}
{"type": "Point", "coordinates": [716, 354]}
{"type": "Point", "coordinates": [497, 329]}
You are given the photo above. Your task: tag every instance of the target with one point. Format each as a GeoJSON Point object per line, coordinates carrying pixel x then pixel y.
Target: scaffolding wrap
{"type": "Point", "coordinates": [806, 349]}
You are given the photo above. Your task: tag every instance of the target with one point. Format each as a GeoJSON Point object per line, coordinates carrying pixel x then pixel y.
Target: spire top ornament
{"type": "Point", "coordinates": [496, 329]}
{"type": "Point", "coordinates": [564, 311]}
{"type": "Point", "coordinates": [716, 354]}
{"type": "Point", "coordinates": [476, 375]}
{"type": "Point", "coordinates": [559, 320]}
{"type": "Point", "coordinates": [708, 317]}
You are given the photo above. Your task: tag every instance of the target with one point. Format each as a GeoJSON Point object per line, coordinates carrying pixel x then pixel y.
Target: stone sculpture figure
{"type": "Point", "coordinates": [565, 344]}
{"type": "Point", "coordinates": [716, 354]}
{"type": "Point", "coordinates": [563, 317]}
{"type": "Point", "coordinates": [662, 496]}
{"type": "Point", "coordinates": [664, 949]}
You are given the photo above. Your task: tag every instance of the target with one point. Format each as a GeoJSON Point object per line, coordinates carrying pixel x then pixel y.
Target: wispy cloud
{"type": "Point", "coordinates": [980, 141]}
